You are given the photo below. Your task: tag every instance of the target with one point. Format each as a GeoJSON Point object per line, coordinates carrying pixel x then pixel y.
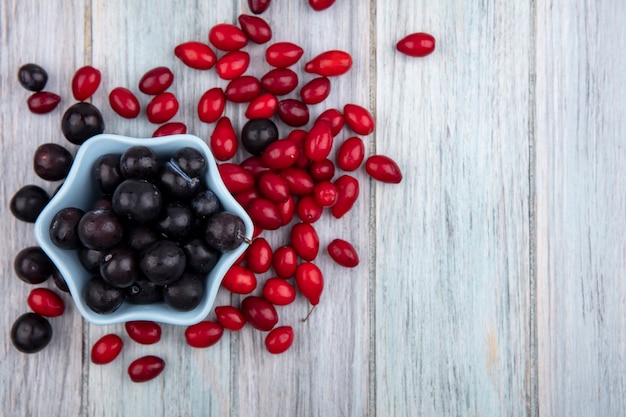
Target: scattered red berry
{"type": "Point", "coordinates": [343, 253]}
{"type": "Point", "coordinates": [383, 168]}
{"type": "Point", "coordinates": [85, 82]}
{"type": "Point", "coordinates": [204, 334]}
{"type": "Point", "coordinates": [417, 44]}
{"type": "Point", "coordinates": [196, 55]}
{"type": "Point", "coordinates": [278, 291]}
{"type": "Point", "coordinates": [171, 128]}
{"type": "Point", "coordinates": [310, 281]}
{"type": "Point", "coordinates": [230, 317]}
{"type": "Point", "coordinates": [162, 108]}
{"type": "Point", "coordinates": [330, 64]}
{"type": "Point", "coordinates": [255, 28]}
{"type": "Point", "coordinates": [124, 102]}
{"type": "Point", "coordinates": [43, 102]}
{"type": "Point", "coordinates": [106, 349]}
{"type": "Point", "coordinates": [239, 280]}
{"type": "Point", "coordinates": [259, 312]}
{"type": "Point", "coordinates": [156, 81]}
{"type": "Point", "coordinates": [283, 54]}
{"type": "Point", "coordinates": [143, 331]}
{"type": "Point", "coordinates": [279, 339]}
{"type": "Point", "coordinates": [227, 37]}
{"type": "Point", "coordinates": [145, 368]}
{"type": "Point", "coordinates": [46, 302]}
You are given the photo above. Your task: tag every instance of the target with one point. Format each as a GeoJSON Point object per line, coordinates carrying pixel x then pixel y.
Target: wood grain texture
{"type": "Point", "coordinates": [581, 208]}
{"type": "Point", "coordinates": [452, 243]}
{"type": "Point", "coordinates": [33, 385]}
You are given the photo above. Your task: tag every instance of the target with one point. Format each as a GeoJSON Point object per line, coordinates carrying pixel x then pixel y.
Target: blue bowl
{"type": "Point", "coordinates": [81, 190]}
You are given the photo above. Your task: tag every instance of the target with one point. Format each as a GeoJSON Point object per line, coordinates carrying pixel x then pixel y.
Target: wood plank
{"type": "Point", "coordinates": [37, 384]}
{"type": "Point", "coordinates": [580, 208]}
{"type": "Point", "coordinates": [326, 372]}
{"type": "Point", "coordinates": [128, 39]}
{"type": "Point", "coordinates": [452, 243]}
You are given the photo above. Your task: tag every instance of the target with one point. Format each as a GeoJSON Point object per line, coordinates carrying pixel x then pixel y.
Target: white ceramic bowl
{"type": "Point", "coordinates": [81, 190]}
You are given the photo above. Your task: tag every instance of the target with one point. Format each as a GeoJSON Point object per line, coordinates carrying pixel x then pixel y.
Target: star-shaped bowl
{"type": "Point", "coordinates": [81, 190]}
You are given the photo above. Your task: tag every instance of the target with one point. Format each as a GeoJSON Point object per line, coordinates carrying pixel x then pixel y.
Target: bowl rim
{"type": "Point", "coordinates": [81, 171]}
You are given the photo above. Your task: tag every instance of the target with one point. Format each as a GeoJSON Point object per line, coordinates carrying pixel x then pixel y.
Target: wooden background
{"type": "Point", "coordinates": [492, 280]}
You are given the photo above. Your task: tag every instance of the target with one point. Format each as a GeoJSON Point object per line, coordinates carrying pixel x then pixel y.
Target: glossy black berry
{"type": "Point", "coordinates": [100, 229]}
{"type": "Point", "coordinates": [119, 267]}
{"type": "Point", "coordinates": [184, 294]}
{"type": "Point", "coordinates": [27, 203]}
{"type": "Point", "coordinates": [52, 162]}
{"type": "Point", "coordinates": [205, 204]}
{"type": "Point", "coordinates": [32, 265]}
{"type": "Point", "coordinates": [81, 121]}
{"type": "Point", "coordinates": [137, 200]}
{"type": "Point", "coordinates": [107, 172]}
{"type": "Point", "coordinates": [59, 281]}
{"type": "Point", "coordinates": [64, 228]}
{"type": "Point", "coordinates": [257, 134]}
{"type": "Point", "coordinates": [90, 259]}
{"type": "Point", "coordinates": [144, 291]}
{"type": "Point", "coordinates": [139, 162]}
{"type": "Point", "coordinates": [103, 203]}
{"type": "Point", "coordinates": [224, 231]}
{"type": "Point", "coordinates": [190, 161]}
{"type": "Point", "coordinates": [31, 333]}
{"type": "Point", "coordinates": [102, 297]}
{"type": "Point", "coordinates": [163, 262]}
{"type": "Point", "coordinates": [201, 258]}
{"type": "Point", "coordinates": [139, 237]}
{"type": "Point", "coordinates": [175, 183]}
{"type": "Point", "coordinates": [32, 77]}
{"type": "Point", "coordinates": [176, 221]}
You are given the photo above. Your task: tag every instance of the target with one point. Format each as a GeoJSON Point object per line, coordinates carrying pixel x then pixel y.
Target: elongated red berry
{"type": "Point", "coordinates": [319, 5]}
{"type": "Point", "coordinates": [106, 349]}
{"type": "Point", "coordinates": [293, 112]}
{"type": "Point", "coordinates": [232, 65]}
{"type": "Point", "coordinates": [334, 118]}
{"type": "Point", "coordinates": [243, 89]}
{"type": "Point", "coordinates": [230, 317]}
{"type": "Point", "coordinates": [265, 214]}
{"type": "Point", "coordinates": [279, 339]}
{"type": "Point", "coordinates": [124, 102]}
{"type": "Point", "coordinates": [305, 241]}
{"type": "Point", "coordinates": [315, 91]}
{"type": "Point", "coordinates": [211, 105]}
{"type": "Point", "coordinates": [351, 154]}
{"type": "Point", "coordinates": [162, 108]}
{"type": "Point", "coordinates": [383, 168]}
{"type": "Point", "coordinates": [85, 82]}
{"type": "Point", "coordinates": [239, 280]}
{"type": "Point", "coordinates": [255, 28]}
{"type": "Point", "coordinates": [223, 141]}
{"type": "Point", "coordinates": [46, 302]}
{"type": "Point", "coordinates": [262, 107]}
{"type": "Point", "coordinates": [156, 81]}
{"type": "Point", "coordinates": [318, 142]}
{"type": "Point", "coordinates": [285, 261]}
{"type": "Point", "coordinates": [196, 55]}
{"type": "Point", "coordinates": [260, 313]}
{"type": "Point", "coordinates": [347, 194]}
{"type": "Point", "coordinates": [330, 63]}
{"type": "Point", "coordinates": [359, 119]}
{"type": "Point", "coordinates": [310, 281]}
{"type": "Point", "coordinates": [343, 253]}
{"type": "Point", "coordinates": [203, 334]}
{"type": "Point", "coordinates": [278, 291]}
{"type": "Point", "coordinates": [258, 6]}
{"type": "Point", "coordinates": [227, 37]}
{"type": "Point", "coordinates": [43, 102]}
{"type": "Point", "coordinates": [283, 54]}
{"type": "Point", "coordinates": [145, 368]}
{"type": "Point", "coordinates": [417, 44]}
{"type": "Point", "coordinates": [280, 81]}
{"type": "Point", "coordinates": [171, 128]}
{"type": "Point", "coordinates": [259, 256]}
{"type": "Point", "coordinates": [143, 331]}
{"type": "Point", "coordinates": [236, 178]}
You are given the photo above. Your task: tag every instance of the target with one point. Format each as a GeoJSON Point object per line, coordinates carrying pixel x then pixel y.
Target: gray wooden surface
{"type": "Point", "coordinates": [493, 278]}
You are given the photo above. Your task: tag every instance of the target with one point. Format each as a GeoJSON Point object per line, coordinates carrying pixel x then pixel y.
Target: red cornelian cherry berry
{"type": "Point", "coordinates": [143, 331]}
{"type": "Point", "coordinates": [280, 154]}
{"type": "Point", "coordinates": [334, 118]}
{"type": "Point", "coordinates": [287, 209]}
{"type": "Point", "coordinates": [359, 119]}
{"type": "Point", "coordinates": [308, 210]}
{"type": "Point", "coordinates": [299, 180]}
{"type": "Point", "coordinates": [273, 187]}
{"type": "Point", "coordinates": [319, 5]}
{"type": "Point", "coordinates": [255, 28]}
{"type": "Point", "coordinates": [325, 194]}
{"type": "Point", "coordinates": [211, 105]}
{"type": "Point", "coordinates": [279, 292]}
{"type": "Point", "coordinates": [322, 170]}
{"type": "Point", "coordinates": [262, 107]}
{"type": "Point", "coordinates": [315, 91]}
{"type": "Point", "coordinates": [416, 44]}
{"type": "Point", "coordinates": [106, 349]}
{"type": "Point", "coordinates": [43, 102]}
{"type": "Point", "coordinates": [232, 65]}
{"type": "Point", "coordinates": [293, 112]}
{"type": "Point", "coordinates": [231, 318]}
{"type": "Point", "coordinates": [384, 169]}
{"type": "Point", "coordinates": [239, 280]}
{"type": "Point", "coordinates": [350, 154]}
{"type": "Point", "coordinates": [145, 368]}
{"type": "Point", "coordinates": [310, 281]}
{"type": "Point", "coordinates": [162, 108]}
{"type": "Point", "coordinates": [236, 179]}
{"type": "Point", "coordinates": [258, 6]}
{"type": "Point", "coordinates": [280, 81]}
{"type": "Point", "coordinates": [285, 261]}
{"type": "Point", "coordinates": [279, 339]}
{"type": "Point", "coordinates": [347, 194]}
{"type": "Point", "coordinates": [196, 55]}
{"type": "Point", "coordinates": [246, 197]}
{"type": "Point", "coordinates": [85, 82]}
{"type": "Point", "coordinates": [255, 165]}
{"type": "Point", "coordinates": [283, 54]}
{"type": "Point", "coordinates": [318, 142]}
{"type": "Point", "coordinates": [298, 136]}
{"type": "Point", "coordinates": [223, 141]}
{"type": "Point", "coordinates": [305, 241]}
{"type": "Point", "coordinates": [124, 102]}
{"type": "Point", "coordinates": [227, 37]}
{"type": "Point", "coordinates": [264, 214]}
{"type": "Point", "coordinates": [171, 128]}
{"type": "Point", "coordinates": [330, 64]}
{"type": "Point", "coordinates": [259, 312]}
{"type": "Point", "coordinates": [204, 334]}
{"type": "Point", "coordinates": [156, 81]}
{"type": "Point", "coordinates": [342, 252]}
{"type": "Point", "coordinates": [46, 302]}
{"type": "Point", "coordinates": [243, 89]}
{"type": "Point", "coordinates": [259, 256]}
